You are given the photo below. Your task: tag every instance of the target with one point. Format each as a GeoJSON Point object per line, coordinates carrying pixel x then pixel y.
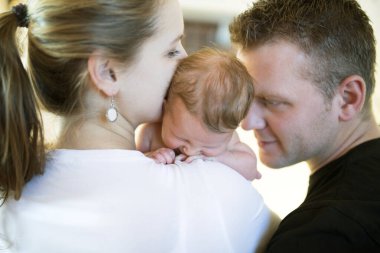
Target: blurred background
{"type": "Point", "coordinates": [206, 24]}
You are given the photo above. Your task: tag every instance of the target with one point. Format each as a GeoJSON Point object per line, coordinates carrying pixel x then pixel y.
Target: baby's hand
{"type": "Point", "coordinates": [257, 175]}
{"type": "Point", "coordinates": [162, 155]}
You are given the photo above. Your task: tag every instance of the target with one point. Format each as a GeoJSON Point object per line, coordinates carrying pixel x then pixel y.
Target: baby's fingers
{"type": "Point", "coordinates": [189, 159]}
{"type": "Point", "coordinates": [164, 155]}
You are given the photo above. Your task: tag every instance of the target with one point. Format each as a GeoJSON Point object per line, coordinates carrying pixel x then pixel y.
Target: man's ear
{"type": "Point", "coordinates": [102, 73]}
{"type": "Point", "coordinates": [352, 91]}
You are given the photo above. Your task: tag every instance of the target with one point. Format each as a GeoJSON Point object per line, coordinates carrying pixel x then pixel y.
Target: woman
{"type": "Point", "coordinates": [105, 66]}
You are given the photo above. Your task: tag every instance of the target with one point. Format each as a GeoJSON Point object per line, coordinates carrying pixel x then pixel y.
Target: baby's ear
{"type": "Point", "coordinates": [352, 93]}
{"type": "Point", "coordinates": [102, 73]}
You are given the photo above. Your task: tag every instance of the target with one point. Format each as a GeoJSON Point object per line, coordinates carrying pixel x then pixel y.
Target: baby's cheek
{"type": "Point", "coordinates": [212, 152]}
{"type": "Point", "coordinates": [170, 143]}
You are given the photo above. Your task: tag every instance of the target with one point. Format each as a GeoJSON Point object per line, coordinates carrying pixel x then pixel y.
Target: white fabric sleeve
{"type": "Point", "coordinates": [121, 201]}
{"type": "Point", "coordinates": [245, 221]}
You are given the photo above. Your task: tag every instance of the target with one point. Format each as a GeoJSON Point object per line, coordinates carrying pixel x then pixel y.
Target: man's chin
{"type": "Point", "coordinates": [274, 163]}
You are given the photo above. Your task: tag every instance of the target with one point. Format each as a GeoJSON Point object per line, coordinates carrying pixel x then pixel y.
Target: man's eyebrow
{"type": "Point", "coordinates": [267, 96]}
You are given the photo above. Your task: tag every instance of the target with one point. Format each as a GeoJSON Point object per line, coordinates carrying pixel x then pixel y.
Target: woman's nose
{"type": "Point", "coordinates": [254, 118]}
{"type": "Point", "coordinates": [184, 53]}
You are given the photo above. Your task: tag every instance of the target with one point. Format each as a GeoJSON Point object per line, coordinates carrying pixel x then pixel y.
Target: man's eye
{"type": "Point", "coordinates": [273, 103]}
{"type": "Point", "coordinates": [268, 102]}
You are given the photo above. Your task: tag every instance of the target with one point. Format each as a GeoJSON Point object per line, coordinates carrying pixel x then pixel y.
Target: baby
{"type": "Point", "coordinates": [210, 93]}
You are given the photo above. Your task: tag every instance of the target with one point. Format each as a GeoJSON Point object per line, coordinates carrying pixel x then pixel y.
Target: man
{"type": "Point", "coordinates": [313, 65]}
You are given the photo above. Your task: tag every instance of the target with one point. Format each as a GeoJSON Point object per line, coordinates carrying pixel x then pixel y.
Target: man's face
{"type": "Point", "coordinates": [290, 117]}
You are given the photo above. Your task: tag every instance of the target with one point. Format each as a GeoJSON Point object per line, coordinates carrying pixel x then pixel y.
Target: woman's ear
{"type": "Point", "coordinates": [102, 73]}
{"type": "Point", "coordinates": [352, 92]}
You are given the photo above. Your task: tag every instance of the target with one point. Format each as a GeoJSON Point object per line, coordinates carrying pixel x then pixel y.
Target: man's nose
{"type": "Point", "coordinates": [254, 118]}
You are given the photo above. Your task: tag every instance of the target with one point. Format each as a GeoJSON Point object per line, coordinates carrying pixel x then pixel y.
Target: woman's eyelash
{"type": "Point", "coordinates": [173, 53]}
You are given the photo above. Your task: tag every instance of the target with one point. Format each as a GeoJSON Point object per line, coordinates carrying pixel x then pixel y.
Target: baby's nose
{"type": "Point", "coordinates": [190, 151]}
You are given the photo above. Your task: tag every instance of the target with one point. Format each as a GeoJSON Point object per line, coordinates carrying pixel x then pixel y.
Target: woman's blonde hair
{"type": "Point", "coordinates": [214, 85]}
{"type": "Point", "coordinates": [61, 36]}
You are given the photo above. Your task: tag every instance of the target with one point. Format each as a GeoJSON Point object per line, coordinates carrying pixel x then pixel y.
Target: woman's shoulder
{"type": "Point", "coordinates": [213, 179]}
{"type": "Point", "coordinates": [134, 163]}
{"type": "Point", "coordinates": [230, 198]}
{"type": "Point", "coordinates": [208, 181]}
{"type": "Point", "coordinates": [200, 205]}
{"type": "Point", "coordinates": [221, 183]}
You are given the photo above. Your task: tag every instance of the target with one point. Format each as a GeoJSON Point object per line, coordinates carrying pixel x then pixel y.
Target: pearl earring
{"type": "Point", "coordinates": [111, 113]}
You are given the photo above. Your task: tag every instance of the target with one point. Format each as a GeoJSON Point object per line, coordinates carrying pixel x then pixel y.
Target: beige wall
{"type": "Point", "coordinates": [372, 8]}
{"type": "Point", "coordinates": [3, 5]}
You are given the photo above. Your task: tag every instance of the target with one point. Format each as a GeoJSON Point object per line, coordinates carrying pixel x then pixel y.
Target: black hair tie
{"type": "Point", "coordinates": [21, 12]}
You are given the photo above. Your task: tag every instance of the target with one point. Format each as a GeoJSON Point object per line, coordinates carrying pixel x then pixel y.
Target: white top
{"type": "Point", "coordinates": [121, 201]}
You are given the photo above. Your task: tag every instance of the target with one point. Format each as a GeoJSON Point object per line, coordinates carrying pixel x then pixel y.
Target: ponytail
{"type": "Point", "coordinates": [21, 134]}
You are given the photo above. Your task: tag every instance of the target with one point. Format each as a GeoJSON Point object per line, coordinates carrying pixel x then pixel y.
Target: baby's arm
{"type": "Point", "coordinates": [148, 141]}
{"type": "Point", "coordinates": [240, 157]}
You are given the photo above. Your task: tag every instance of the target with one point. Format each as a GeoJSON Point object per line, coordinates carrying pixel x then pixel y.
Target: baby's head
{"type": "Point", "coordinates": [212, 87]}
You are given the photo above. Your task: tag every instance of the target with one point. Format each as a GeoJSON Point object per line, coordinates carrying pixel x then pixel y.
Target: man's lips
{"type": "Point", "coordinates": [264, 140]}
{"type": "Point", "coordinates": [264, 143]}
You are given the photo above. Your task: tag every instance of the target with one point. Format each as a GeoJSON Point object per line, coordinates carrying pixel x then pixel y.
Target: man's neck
{"type": "Point", "coordinates": [350, 138]}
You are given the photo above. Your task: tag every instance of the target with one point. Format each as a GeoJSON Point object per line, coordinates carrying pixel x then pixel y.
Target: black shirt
{"type": "Point", "coordinates": [341, 212]}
